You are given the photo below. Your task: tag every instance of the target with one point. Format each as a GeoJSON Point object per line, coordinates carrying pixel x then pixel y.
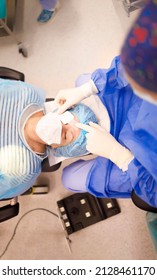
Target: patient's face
{"type": "Point", "coordinates": [69, 134]}
{"type": "Point", "coordinates": [73, 142]}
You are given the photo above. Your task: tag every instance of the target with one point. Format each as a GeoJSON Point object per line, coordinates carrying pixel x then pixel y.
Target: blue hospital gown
{"type": "Point", "coordinates": [19, 165]}
{"type": "Point", "coordinates": [134, 125]}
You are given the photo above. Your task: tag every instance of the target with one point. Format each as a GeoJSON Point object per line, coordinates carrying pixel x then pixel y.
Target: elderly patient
{"type": "Point", "coordinates": [28, 132]}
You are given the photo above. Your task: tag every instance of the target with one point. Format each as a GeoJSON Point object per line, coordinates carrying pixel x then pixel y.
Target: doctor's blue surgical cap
{"type": "Point", "coordinates": [77, 147]}
{"type": "Point", "coordinates": [139, 51]}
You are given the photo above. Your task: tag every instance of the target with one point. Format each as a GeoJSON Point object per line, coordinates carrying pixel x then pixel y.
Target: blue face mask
{"type": "Point", "coordinates": [78, 147]}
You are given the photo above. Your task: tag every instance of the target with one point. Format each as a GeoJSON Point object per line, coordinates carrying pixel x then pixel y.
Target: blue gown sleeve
{"type": "Point", "coordinates": [133, 124]}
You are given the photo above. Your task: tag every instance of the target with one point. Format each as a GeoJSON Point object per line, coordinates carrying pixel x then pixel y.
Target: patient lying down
{"type": "Point", "coordinates": [58, 134]}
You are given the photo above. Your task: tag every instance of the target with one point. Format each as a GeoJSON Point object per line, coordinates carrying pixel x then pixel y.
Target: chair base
{"type": "Point", "coordinates": [8, 211]}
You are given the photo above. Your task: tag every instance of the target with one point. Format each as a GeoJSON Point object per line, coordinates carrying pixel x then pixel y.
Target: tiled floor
{"type": "Point", "coordinates": [84, 35]}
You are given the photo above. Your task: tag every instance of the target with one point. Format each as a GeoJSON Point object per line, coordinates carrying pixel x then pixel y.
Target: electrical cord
{"type": "Point", "coordinates": [15, 229]}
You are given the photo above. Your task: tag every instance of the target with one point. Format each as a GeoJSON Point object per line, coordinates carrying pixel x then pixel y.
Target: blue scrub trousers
{"type": "Point", "coordinates": [48, 4]}
{"type": "Point", "coordinates": [74, 176]}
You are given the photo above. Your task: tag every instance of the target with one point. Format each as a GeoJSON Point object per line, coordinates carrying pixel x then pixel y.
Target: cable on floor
{"type": "Point", "coordinates": [15, 229]}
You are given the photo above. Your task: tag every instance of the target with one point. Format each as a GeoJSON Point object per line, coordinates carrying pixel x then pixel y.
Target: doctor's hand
{"type": "Point", "coordinates": [66, 98]}
{"type": "Point", "coordinates": [100, 142]}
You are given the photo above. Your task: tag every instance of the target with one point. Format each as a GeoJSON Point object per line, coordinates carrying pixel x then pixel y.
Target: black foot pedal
{"type": "Point", "coordinates": [81, 210]}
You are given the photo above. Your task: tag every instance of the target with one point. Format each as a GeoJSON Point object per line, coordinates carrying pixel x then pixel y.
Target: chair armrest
{"type": "Point", "coordinates": [49, 99]}
{"type": "Point", "coordinates": [45, 167]}
{"type": "Point", "coordinates": [142, 204]}
{"type": "Point", "coordinates": [8, 73]}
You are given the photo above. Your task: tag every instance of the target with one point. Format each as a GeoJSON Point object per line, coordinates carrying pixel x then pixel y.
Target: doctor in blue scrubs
{"type": "Point", "coordinates": [127, 155]}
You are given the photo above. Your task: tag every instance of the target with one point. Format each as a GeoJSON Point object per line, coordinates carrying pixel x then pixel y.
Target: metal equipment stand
{"type": "Point", "coordinates": [132, 5]}
{"type": "Point", "coordinates": [7, 20]}
{"type": "Point", "coordinates": [21, 48]}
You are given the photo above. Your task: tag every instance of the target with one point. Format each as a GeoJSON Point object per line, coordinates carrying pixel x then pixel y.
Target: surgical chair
{"type": "Point", "coordinates": [12, 209]}
{"type": "Point", "coordinates": [3, 24]}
